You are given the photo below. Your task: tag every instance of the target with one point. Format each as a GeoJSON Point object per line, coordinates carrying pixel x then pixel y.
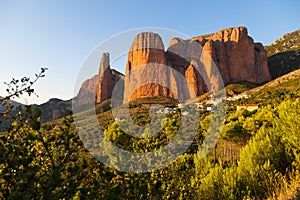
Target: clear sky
{"type": "Point", "coordinates": [61, 34]}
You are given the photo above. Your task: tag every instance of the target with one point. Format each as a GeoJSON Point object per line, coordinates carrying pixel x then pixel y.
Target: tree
{"type": "Point", "coordinates": [37, 161]}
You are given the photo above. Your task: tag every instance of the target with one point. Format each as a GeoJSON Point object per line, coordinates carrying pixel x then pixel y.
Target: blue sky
{"type": "Point", "coordinates": [61, 34]}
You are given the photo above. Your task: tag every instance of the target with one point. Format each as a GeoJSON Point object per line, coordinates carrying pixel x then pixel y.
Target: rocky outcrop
{"type": "Point", "coordinates": [146, 48]}
{"type": "Point", "coordinates": [107, 79]}
{"type": "Point", "coordinates": [195, 81]}
{"type": "Point", "coordinates": [236, 55]}
{"type": "Point", "coordinates": [145, 72]}
{"type": "Point", "coordinates": [86, 94]}
{"type": "Point", "coordinates": [100, 86]}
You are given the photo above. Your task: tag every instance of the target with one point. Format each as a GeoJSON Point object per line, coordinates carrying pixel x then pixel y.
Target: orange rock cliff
{"type": "Point", "coordinates": [234, 53]}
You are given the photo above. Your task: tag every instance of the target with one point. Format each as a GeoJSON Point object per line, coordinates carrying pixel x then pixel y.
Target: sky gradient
{"type": "Point", "coordinates": [61, 34]}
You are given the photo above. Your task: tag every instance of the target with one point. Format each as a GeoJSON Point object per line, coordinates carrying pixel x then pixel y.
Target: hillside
{"type": "Point", "coordinates": [276, 82]}
{"type": "Point", "coordinates": [51, 110]}
{"type": "Point", "coordinates": [239, 87]}
{"type": "Point", "coordinates": [275, 91]}
{"type": "Point", "coordinates": [288, 42]}
{"type": "Point", "coordinates": [284, 54]}
{"type": "Point", "coordinates": [54, 109]}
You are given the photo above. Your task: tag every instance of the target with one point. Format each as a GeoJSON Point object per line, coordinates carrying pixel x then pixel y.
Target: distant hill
{"type": "Point", "coordinates": [284, 54]}
{"type": "Point", "coordinates": [14, 103]}
{"type": "Point", "coordinates": [288, 42]}
{"type": "Point", "coordinates": [51, 110]}
{"type": "Point", "coordinates": [54, 109]}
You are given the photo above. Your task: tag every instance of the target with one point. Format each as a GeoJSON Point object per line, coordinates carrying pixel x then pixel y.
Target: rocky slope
{"type": "Point", "coordinates": [284, 54]}
{"type": "Point", "coordinates": [87, 91]}
{"type": "Point", "coordinates": [288, 42]}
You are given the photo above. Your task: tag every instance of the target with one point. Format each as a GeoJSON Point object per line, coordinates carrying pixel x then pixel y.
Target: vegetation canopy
{"type": "Point", "coordinates": [257, 157]}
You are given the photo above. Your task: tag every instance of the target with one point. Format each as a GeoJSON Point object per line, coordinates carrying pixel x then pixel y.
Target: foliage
{"type": "Point", "coordinates": [237, 88]}
{"type": "Point", "coordinates": [273, 96]}
{"type": "Point", "coordinates": [49, 161]}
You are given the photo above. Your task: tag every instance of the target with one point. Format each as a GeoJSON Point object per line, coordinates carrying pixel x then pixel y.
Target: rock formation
{"type": "Point", "coordinates": [236, 55]}
{"type": "Point", "coordinates": [86, 94]}
{"type": "Point", "coordinates": [231, 50]}
{"type": "Point", "coordinates": [195, 81]}
{"type": "Point", "coordinates": [100, 86]}
{"type": "Point", "coordinates": [107, 79]}
{"type": "Point", "coordinates": [186, 69]}
{"type": "Point", "coordinates": [145, 72]}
